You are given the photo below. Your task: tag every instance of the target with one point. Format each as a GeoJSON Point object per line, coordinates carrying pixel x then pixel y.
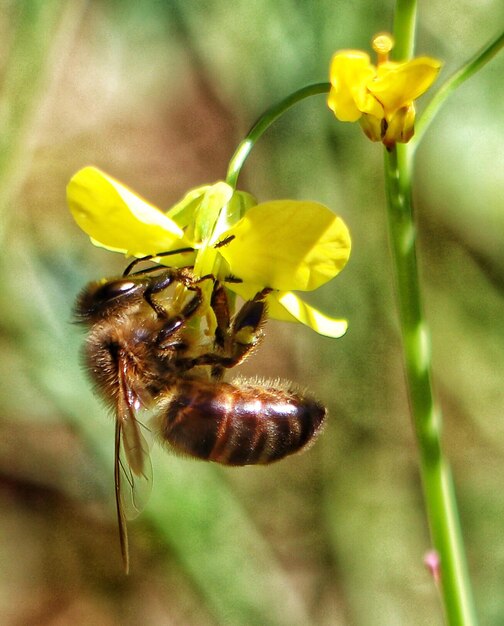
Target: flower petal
{"type": "Point", "coordinates": [238, 205]}
{"type": "Point", "coordinates": [398, 84]}
{"type": "Point", "coordinates": [182, 213]}
{"type": "Point", "coordinates": [117, 219]}
{"type": "Point", "coordinates": [207, 214]}
{"type": "Point", "coordinates": [351, 71]}
{"type": "Point", "coordinates": [199, 211]}
{"type": "Point", "coordinates": [372, 127]}
{"type": "Point", "coordinates": [401, 126]}
{"type": "Point", "coordinates": [287, 245]}
{"type": "Point", "coordinates": [302, 312]}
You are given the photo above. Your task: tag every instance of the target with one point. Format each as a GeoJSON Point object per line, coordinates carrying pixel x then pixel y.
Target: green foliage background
{"type": "Point", "coordinates": [158, 94]}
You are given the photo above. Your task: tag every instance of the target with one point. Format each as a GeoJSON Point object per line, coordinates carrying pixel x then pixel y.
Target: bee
{"type": "Point", "coordinates": [148, 347]}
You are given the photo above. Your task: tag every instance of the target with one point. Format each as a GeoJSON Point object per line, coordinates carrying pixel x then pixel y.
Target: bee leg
{"type": "Point", "coordinates": [234, 339]}
{"type": "Point", "coordinates": [220, 307]}
{"type": "Point", "coordinates": [157, 285]}
{"type": "Point", "coordinates": [251, 317]}
{"type": "Point", "coordinates": [246, 328]}
{"type": "Point", "coordinates": [177, 321]}
{"type": "Point", "coordinates": [163, 281]}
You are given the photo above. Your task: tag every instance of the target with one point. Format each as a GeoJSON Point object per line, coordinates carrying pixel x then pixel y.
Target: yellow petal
{"type": "Point", "coordinates": [401, 126]}
{"type": "Point", "coordinates": [350, 73]}
{"type": "Point", "coordinates": [306, 314]}
{"type": "Point", "coordinates": [117, 219]}
{"type": "Point", "coordinates": [372, 127]}
{"type": "Point", "coordinates": [193, 212]}
{"type": "Point", "coordinates": [182, 213]}
{"type": "Point", "coordinates": [287, 245]}
{"type": "Point", "coordinates": [398, 84]}
{"type": "Point", "coordinates": [238, 205]}
{"type": "Point", "coordinates": [212, 203]}
{"type": "Point", "coordinates": [246, 291]}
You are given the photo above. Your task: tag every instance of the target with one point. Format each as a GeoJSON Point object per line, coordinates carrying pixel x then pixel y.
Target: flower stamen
{"type": "Point", "coordinates": [382, 44]}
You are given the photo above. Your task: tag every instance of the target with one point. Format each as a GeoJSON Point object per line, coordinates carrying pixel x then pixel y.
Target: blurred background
{"type": "Point", "coordinates": [158, 94]}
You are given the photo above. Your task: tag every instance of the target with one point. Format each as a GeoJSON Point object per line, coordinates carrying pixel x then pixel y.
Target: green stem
{"type": "Point", "coordinates": [466, 71]}
{"type": "Point", "coordinates": [435, 471]}
{"type": "Point", "coordinates": [437, 482]}
{"type": "Point", "coordinates": [263, 123]}
{"type": "Point", "coordinates": [404, 29]}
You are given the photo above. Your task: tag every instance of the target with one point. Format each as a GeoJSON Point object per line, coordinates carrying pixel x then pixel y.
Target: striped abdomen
{"type": "Point", "coordinates": [238, 425]}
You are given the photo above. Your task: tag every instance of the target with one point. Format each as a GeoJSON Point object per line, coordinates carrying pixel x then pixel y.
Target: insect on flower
{"type": "Point", "coordinates": [161, 338]}
{"type": "Point", "coordinates": [146, 348]}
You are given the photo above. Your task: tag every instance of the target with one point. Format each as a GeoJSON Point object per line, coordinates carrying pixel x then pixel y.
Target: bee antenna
{"type": "Point", "coordinates": [149, 257]}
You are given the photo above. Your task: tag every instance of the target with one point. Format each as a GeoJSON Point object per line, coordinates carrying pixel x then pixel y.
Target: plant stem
{"type": "Point", "coordinates": [263, 123]}
{"type": "Point", "coordinates": [404, 29]}
{"type": "Point", "coordinates": [434, 468]}
{"type": "Point", "coordinates": [437, 482]}
{"type": "Point", "coordinates": [466, 71]}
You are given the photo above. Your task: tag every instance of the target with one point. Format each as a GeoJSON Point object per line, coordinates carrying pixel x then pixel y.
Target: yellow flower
{"type": "Point", "coordinates": [380, 97]}
{"type": "Point", "coordinates": [282, 245]}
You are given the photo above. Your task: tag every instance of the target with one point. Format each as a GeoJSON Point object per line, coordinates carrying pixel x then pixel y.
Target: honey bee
{"type": "Point", "coordinates": [147, 348]}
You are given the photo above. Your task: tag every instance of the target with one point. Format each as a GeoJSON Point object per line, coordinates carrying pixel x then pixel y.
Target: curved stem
{"type": "Point", "coordinates": [263, 123]}
{"type": "Point", "coordinates": [436, 476]}
{"type": "Point", "coordinates": [465, 72]}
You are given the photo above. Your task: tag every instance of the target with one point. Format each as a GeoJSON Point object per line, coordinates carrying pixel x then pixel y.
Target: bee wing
{"type": "Point", "coordinates": [121, 517]}
{"type": "Point", "coordinates": [132, 464]}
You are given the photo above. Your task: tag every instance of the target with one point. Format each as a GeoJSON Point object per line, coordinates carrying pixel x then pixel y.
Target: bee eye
{"type": "Point", "coordinates": [114, 289]}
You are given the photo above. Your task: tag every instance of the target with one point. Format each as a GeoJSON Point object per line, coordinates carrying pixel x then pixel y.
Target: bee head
{"type": "Point", "coordinates": [105, 297]}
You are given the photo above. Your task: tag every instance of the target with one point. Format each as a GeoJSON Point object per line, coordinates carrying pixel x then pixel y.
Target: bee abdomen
{"type": "Point", "coordinates": [238, 425]}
